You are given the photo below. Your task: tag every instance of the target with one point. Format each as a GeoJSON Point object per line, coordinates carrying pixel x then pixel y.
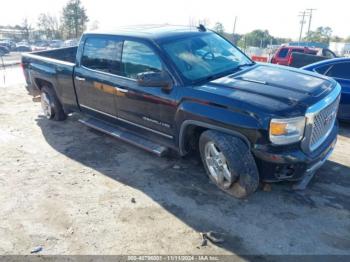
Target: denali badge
{"type": "Point", "coordinates": [155, 121]}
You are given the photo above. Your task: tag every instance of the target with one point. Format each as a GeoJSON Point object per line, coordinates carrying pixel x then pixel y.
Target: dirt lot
{"type": "Point", "coordinates": [11, 58]}
{"type": "Point", "coordinates": [73, 190]}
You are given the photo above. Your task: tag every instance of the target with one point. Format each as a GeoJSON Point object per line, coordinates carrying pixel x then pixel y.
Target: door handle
{"type": "Point", "coordinates": [80, 78]}
{"type": "Point", "coordinates": [121, 90]}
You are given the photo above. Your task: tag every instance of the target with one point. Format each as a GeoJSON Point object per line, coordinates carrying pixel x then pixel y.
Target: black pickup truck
{"type": "Point", "coordinates": [187, 89]}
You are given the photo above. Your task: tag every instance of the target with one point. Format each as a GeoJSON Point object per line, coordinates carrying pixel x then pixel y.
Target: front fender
{"type": "Point", "coordinates": [241, 124]}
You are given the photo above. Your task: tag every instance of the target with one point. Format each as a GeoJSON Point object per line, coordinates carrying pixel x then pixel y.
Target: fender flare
{"type": "Point", "coordinates": [186, 123]}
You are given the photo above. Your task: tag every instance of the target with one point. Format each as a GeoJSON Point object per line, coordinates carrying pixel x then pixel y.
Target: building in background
{"type": "Point", "coordinates": [340, 49]}
{"type": "Point", "coordinates": [9, 33]}
{"type": "Point", "coordinates": [309, 44]}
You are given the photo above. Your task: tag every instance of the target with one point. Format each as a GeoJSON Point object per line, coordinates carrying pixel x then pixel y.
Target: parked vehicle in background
{"type": "Point", "coordinates": [299, 60]}
{"type": "Point", "coordinates": [23, 42]}
{"type": "Point", "coordinates": [4, 50]}
{"type": "Point", "coordinates": [71, 42]}
{"type": "Point", "coordinates": [296, 56]}
{"type": "Point", "coordinates": [8, 43]}
{"type": "Point", "coordinates": [282, 55]}
{"type": "Point", "coordinates": [56, 43]}
{"type": "Point", "coordinates": [339, 69]}
{"type": "Point", "coordinates": [40, 45]}
{"type": "Point", "coordinates": [190, 90]}
{"type": "Point", "coordinates": [23, 48]}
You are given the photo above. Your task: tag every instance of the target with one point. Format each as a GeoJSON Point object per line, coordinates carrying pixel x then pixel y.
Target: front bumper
{"type": "Point", "coordinates": [291, 163]}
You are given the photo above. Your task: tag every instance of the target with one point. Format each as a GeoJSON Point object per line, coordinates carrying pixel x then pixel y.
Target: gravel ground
{"type": "Point", "coordinates": [72, 190]}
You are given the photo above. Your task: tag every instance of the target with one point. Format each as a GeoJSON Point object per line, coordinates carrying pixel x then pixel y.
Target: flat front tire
{"type": "Point", "coordinates": [229, 163]}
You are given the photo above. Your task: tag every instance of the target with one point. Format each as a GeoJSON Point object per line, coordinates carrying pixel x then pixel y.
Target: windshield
{"type": "Point", "coordinates": [201, 57]}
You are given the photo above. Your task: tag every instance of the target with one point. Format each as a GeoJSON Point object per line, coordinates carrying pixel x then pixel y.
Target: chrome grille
{"type": "Point", "coordinates": [323, 122]}
{"type": "Point", "coordinates": [320, 119]}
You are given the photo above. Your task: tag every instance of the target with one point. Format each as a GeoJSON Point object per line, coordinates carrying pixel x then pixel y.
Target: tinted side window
{"type": "Point", "coordinates": [312, 52]}
{"type": "Point", "coordinates": [327, 53]}
{"type": "Point", "coordinates": [297, 51]}
{"type": "Point", "coordinates": [283, 52]}
{"type": "Point", "coordinates": [340, 70]}
{"type": "Point", "coordinates": [322, 69]}
{"type": "Point", "coordinates": [139, 58]}
{"type": "Point", "coordinates": [102, 54]}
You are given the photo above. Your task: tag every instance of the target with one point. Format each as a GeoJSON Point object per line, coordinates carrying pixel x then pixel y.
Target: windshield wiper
{"type": "Point", "coordinates": [225, 73]}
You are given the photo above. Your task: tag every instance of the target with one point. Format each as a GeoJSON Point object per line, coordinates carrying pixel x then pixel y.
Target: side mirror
{"type": "Point", "coordinates": [155, 79]}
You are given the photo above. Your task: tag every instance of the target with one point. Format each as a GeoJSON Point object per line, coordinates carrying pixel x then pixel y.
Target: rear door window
{"type": "Point", "coordinates": [340, 70]}
{"type": "Point", "coordinates": [102, 54]}
{"type": "Point", "coordinates": [283, 52]}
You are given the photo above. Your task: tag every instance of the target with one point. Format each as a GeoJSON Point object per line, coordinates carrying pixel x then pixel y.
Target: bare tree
{"type": "Point", "coordinates": [48, 26]}
{"type": "Point", "coordinates": [219, 28]}
{"type": "Point", "coordinates": [26, 29]}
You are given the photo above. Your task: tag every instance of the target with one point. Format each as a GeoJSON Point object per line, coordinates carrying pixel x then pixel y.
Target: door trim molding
{"type": "Point", "coordinates": [128, 122]}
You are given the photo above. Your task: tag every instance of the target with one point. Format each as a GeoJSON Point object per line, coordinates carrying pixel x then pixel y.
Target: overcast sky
{"type": "Point", "coordinates": [278, 16]}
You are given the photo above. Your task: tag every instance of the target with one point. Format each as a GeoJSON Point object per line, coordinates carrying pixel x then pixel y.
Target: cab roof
{"type": "Point", "coordinates": [153, 32]}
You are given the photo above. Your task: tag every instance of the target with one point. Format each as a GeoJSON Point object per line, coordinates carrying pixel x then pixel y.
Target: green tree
{"type": "Point", "coordinates": [281, 40]}
{"type": "Point", "coordinates": [219, 28]}
{"type": "Point", "coordinates": [48, 26]}
{"type": "Point", "coordinates": [258, 38]}
{"type": "Point", "coordinates": [74, 19]}
{"type": "Point", "coordinates": [337, 39]}
{"type": "Point", "coordinates": [320, 35]}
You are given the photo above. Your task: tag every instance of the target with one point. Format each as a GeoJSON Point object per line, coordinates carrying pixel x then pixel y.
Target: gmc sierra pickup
{"type": "Point", "coordinates": [188, 89]}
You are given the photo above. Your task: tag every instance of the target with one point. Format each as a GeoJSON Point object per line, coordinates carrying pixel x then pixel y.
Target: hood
{"type": "Point", "coordinates": [277, 89]}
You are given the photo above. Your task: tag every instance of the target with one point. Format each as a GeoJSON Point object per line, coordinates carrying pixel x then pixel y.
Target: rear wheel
{"type": "Point", "coordinates": [229, 163]}
{"type": "Point", "coordinates": [51, 106]}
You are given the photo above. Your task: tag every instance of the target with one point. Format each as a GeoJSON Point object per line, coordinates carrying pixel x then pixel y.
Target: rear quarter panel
{"type": "Point", "coordinates": [58, 73]}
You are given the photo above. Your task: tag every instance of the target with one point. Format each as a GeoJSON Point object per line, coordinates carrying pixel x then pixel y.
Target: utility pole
{"type": "Point", "coordinates": [302, 22]}
{"type": "Point", "coordinates": [310, 10]}
{"type": "Point", "coordinates": [234, 30]}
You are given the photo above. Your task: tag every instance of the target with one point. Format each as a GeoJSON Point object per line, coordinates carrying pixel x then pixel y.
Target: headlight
{"type": "Point", "coordinates": [287, 131]}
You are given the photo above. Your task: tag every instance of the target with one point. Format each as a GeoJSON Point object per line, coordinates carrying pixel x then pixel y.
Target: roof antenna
{"type": "Point", "coordinates": [201, 28]}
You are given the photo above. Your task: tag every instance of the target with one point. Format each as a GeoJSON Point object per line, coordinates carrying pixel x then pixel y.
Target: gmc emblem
{"type": "Point", "coordinates": [329, 118]}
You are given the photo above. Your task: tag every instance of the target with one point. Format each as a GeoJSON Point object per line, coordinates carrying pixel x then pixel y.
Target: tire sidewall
{"type": "Point", "coordinates": [51, 101]}
{"type": "Point", "coordinates": [241, 164]}
{"type": "Point", "coordinates": [202, 143]}
{"type": "Point", "coordinates": [57, 112]}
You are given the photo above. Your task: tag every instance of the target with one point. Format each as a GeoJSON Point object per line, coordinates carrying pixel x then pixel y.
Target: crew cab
{"type": "Point", "coordinates": [183, 89]}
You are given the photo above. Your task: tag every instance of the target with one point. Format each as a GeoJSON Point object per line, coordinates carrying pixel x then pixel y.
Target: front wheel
{"type": "Point", "coordinates": [229, 163]}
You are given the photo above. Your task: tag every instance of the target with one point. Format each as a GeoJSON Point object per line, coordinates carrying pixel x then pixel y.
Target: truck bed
{"type": "Point", "coordinates": [299, 59]}
{"type": "Point", "coordinates": [52, 68]}
{"type": "Point", "coordinates": [64, 54]}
